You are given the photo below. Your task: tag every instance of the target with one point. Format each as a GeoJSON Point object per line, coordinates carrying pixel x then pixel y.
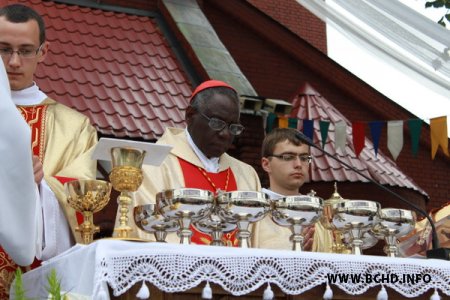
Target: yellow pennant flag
{"type": "Point", "coordinates": [283, 122]}
{"type": "Point", "coordinates": [438, 128]}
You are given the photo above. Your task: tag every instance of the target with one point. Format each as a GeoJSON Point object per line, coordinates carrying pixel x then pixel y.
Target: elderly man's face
{"type": "Point", "coordinates": [213, 143]}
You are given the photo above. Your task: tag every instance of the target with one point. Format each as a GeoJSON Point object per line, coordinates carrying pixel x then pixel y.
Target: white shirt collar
{"type": "Point", "coordinates": [28, 96]}
{"type": "Point", "coordinates": [210, 164]}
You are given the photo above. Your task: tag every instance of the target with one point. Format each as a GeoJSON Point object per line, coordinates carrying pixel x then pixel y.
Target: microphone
{"type": "Point", "coordinates": [436, 251]}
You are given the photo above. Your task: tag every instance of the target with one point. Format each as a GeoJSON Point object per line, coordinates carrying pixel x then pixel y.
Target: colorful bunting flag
{"type": "Point", "coordinates": [308, 128]}
{"type": "Point", "coordinates": [375, 131]}
{"type": "Point", "coordinates": [358, 136]}
{"type": "Point", "coordinates": [438, 128]}
{"type": "Point", "coordinates": [282, 122]}
{"type": "Point", "coordinates": [271, 118]}
{"type": "Point", "coordinates": [340, 135]}
{"type": "Point", "coordinates": [395, 137]}
{"type": "Point", "coordinates": [415, 126]}
{"type": "Point", "coordinates": [293, 123]}
{"type": "Point", "coordinates": [324, 126]}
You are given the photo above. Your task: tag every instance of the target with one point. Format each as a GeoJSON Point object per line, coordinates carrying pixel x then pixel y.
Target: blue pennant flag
{"type": "Point", "coordinates": [375, 131]}
{"type": "Point", "coordinates": [308, 128]}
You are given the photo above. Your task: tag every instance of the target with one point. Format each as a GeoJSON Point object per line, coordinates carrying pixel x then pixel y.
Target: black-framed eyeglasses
{"type": "Point", "coordinates": [304, 158]}
{"type": "Point", "coordinates": [7, 52]}
{"type": "Point", "coordinates": [219, 125]}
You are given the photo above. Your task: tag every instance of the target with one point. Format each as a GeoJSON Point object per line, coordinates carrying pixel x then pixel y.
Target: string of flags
{"type": "Point", "coordinates": [395, 130]}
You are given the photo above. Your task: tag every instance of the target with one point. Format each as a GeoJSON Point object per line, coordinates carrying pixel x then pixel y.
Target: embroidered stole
{"type": "Point", "coordinates": [201, 179]}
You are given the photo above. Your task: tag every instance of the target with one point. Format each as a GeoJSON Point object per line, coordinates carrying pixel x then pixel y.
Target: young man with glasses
{"type": "Point", "coordinates": [286, 161]}
{"type": "Point", "coordinates": [61, 137]}
{"type": "Point", "coordinates": [198, 158]}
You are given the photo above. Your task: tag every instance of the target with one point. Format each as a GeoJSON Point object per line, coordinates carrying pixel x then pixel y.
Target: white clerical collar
{"type": "Point", "coordinates": [29, 96]}
{"type": "Point", "coordinates": [210, 164]}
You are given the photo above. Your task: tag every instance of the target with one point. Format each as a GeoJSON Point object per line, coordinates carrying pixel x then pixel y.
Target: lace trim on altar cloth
{"type": "Point", "coordinates": [240, 275]}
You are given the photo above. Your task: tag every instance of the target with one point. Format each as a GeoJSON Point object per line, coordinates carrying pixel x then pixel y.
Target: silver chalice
{"type": "Point", "coordinates": [296, 212]}
{"type": "Point", "coordinates": [186, 205]}
{"type": "Point", "coordinates": [394, 223]}
{"type": "Point", "coordinates": [354, 218]}
{"type": "Point", "coordinates": [148, 219]}
{"type": "Point", "coordinates": [243, 208]}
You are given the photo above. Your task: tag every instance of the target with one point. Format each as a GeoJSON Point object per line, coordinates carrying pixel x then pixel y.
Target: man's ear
{"type": "Point", "coordinates": [265, 164]}
{"type": "Point", "coordinates": [189, 114]}
{"type": "Point", "coordinates": [44, 51]}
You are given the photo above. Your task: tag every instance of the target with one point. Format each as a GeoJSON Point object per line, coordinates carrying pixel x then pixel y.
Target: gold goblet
{"type": "Point", "coordinates": [88, 197]}
{"type": "Point", "coordinates": [126, 177]}
{"type": "Point", "coordinates": [338, 238]}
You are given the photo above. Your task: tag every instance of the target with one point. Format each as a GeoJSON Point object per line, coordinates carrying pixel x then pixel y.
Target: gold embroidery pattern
{"type": "Point", "coordinates": [36, 117]}
{"type": "Point", "coordinates": [7, 273]}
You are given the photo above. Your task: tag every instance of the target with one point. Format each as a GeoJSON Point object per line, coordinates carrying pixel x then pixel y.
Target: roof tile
{"type": "Point", "coordinates": [111, 66]}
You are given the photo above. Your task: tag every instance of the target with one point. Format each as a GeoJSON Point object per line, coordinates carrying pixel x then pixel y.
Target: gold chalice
{"type": "Point", "coordinates": [126, 177]}
{"type": "Point", "coordinates": [88, 197]}
{"type": "Point", "coordinates": [338, 239]}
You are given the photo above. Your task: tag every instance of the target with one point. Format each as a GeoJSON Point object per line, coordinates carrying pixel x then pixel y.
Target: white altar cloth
{"type": "Point", "coordinates": [86, 270]}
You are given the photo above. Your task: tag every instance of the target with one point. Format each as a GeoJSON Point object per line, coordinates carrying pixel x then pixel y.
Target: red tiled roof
{"type": "Point", "coordinates": [309, 104]}
{"type": "Point", "coordinates": [116, 68]}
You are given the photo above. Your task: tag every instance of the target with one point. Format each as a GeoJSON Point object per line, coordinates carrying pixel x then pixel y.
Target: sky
{"type": "Point", "coordinates": [400, 87]}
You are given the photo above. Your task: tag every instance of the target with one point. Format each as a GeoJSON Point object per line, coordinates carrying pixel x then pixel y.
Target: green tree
{"type": "Point", "coordinates": [441, 4]}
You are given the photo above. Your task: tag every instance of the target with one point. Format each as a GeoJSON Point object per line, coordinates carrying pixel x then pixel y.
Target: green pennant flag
{"type": "Point", "coordinates": [324, 126]}
{"type": "Point", "coordinates": [271, 120]}
{"type": "Point", "coordinates": [415, 126]}
{"type": "Point", "coordinates": [293, 123]}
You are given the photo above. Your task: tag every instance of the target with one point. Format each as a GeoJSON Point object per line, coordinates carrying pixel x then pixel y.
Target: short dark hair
{"type": "Point", "coordinates": [276, 136]}
{"type": "Point", "coordinates": [201, 98]}
{"type": "Point", "coordinates": [18, 13]}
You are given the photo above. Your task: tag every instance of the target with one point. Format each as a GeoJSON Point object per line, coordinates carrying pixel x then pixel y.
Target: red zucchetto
{"type": "Point", "coordinates": [209, 84]}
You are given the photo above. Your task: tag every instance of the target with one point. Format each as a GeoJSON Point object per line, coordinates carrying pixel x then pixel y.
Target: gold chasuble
{"type": "Point", "coordinates": [63, 139]}
{"type": "Point", "coordinates": [196, 177]}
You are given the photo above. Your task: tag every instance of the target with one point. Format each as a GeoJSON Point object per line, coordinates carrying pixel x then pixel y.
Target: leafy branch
{"type": "Point", "coordinates": [53, 288]}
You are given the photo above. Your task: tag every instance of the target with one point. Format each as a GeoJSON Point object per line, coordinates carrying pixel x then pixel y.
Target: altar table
{"type": "Point", "coordinates": [110, 268]}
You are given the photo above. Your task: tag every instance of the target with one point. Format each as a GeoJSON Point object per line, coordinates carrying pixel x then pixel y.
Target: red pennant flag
{"type": "Point", "coordinates": [358, 137]}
